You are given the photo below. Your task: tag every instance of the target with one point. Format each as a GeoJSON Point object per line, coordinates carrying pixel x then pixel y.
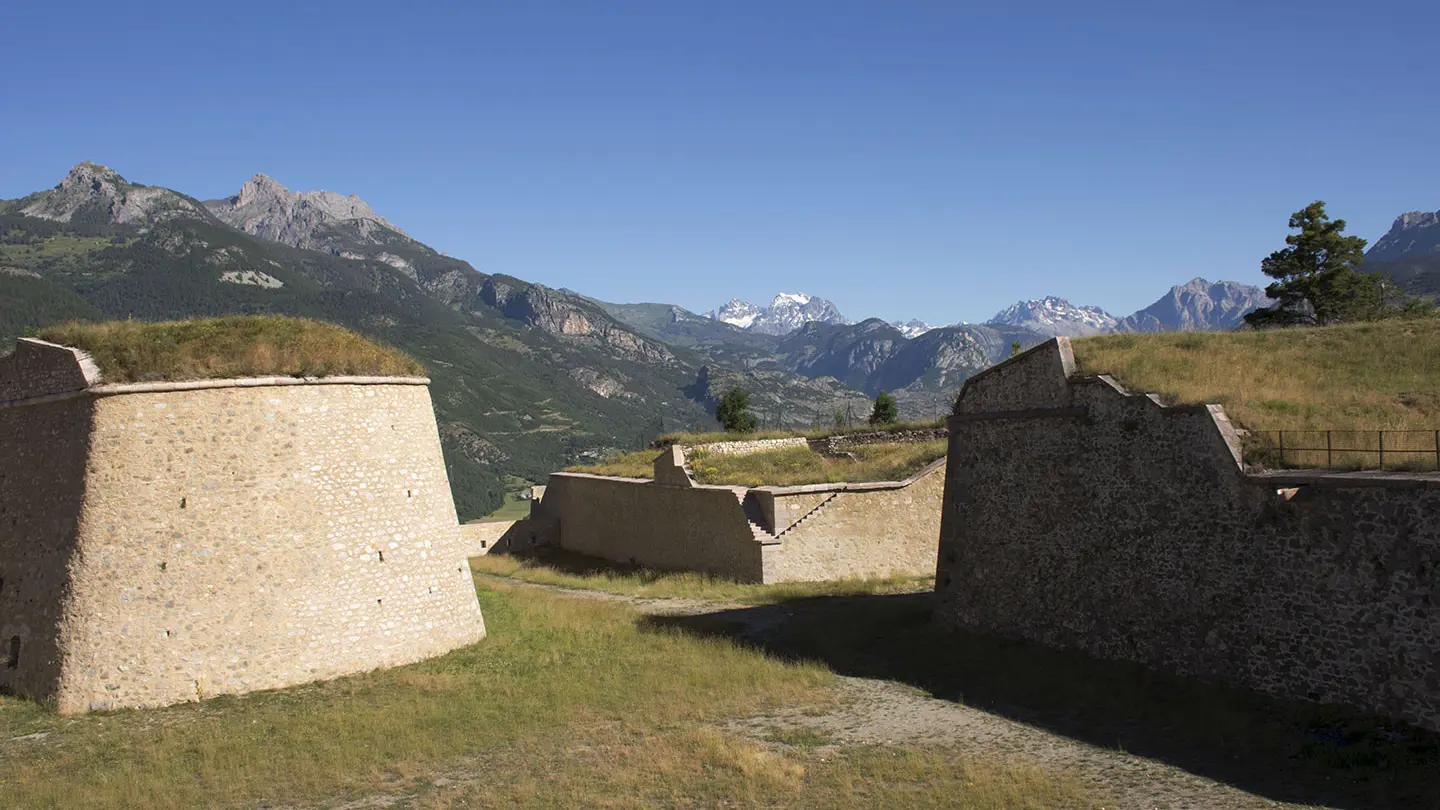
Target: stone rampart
{"type": "Point", "coordinates": [168, 542]}
{"type": "Point", "coordinates": [768, 534]}
{"type": "Point", "coordinates": [1078, 515]}
{"type": "Point", "coordinates": [636, 521]}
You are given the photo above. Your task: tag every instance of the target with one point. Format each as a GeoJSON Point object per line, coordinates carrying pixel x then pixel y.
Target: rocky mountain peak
{"type": "Point", "coordinates": [786, 313]}
{"type": "Point", "coordinates": [1413, 232]}
{"type": "Point", "coordinates": [1051, 316]}
{"type": "Point", "coordinates": [95, 192]}
{"type": "Point", "coordinates": [313, 220]}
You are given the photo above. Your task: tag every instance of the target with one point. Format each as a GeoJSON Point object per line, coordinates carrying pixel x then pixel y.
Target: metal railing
{"type": "Point", "coordinates": [1349, 449]}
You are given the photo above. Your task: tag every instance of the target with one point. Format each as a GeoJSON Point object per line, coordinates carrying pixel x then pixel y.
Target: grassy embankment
{"type": "Point", "coordinates": [234, 346]}
{"type": "Point", "coordinates": [568, 703]}
{"type": "Point", "coordinates": [788, 467]}
{"type": "Point", "coordinates": [1354, 379]}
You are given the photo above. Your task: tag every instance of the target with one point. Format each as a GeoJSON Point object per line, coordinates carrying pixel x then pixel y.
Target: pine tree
{"type": "Point", "coordinates": [1317, 277]}
{"type": "Point", "coordinates": [734, 411]}
{"type": "Point", "coordinates": [886, 412]}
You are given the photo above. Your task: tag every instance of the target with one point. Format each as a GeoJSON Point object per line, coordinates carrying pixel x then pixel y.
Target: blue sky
{"type": "Point", "coordinates": [938, 160]}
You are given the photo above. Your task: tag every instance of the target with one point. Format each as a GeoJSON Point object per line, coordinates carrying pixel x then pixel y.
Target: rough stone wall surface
{"type": "Point", "coordinates": [863, 533]}
{"type": "Point", "coordinates": [37, 369]}
{"type": "Point", "coordinates": [1129, 531]}
{"type": "Point", "coordinates": [748, 447]}
{"type": "Point", "coordinates": [233, 539]}
{"type": "Point", "coordinates": [42, 483]}
{"type": "Point", "coordinates": [1032, 379]}
{"type": "Point", "coordinates": [842, 442]}
{"type": "Point", "coordinates": [626, 520]}
{"type": "Point", "coordinates": [479, 539]}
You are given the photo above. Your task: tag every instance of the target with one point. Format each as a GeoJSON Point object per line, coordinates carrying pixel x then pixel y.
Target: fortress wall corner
{"type": "Point", "coordinates": [241, 538]}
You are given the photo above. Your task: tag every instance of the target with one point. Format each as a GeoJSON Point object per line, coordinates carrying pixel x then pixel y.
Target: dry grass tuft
{"type": "Point", "coordinates": [234, 346]}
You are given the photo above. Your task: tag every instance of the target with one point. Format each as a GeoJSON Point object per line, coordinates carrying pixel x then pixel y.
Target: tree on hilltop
{"type": "Point", "coordinates": [886, 412]}
{"type": "Point", "coordinates": [1318, 281]}
{"type": "Point", "coordinates": [734, 411]}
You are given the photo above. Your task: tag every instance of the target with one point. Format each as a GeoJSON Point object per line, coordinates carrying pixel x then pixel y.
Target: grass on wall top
{"type": "Point", "coordinates": [790, 466]}
{"type": "Point", "coordinates": [229, 347]}
{"type": "Point", "coordinates": [715, 437]}
{"type": "Point", "coordinates": [1369, 376]}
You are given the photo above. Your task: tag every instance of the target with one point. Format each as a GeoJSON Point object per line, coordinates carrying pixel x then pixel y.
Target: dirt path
{"type": "Point", "coordinates": [879, 712]}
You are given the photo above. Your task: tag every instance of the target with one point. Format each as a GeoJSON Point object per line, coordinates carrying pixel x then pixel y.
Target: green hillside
{"type": "Point", "coordinates": [505, 395]}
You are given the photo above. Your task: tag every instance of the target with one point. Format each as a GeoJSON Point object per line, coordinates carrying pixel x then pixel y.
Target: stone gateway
{"type": "Point", "coordinates": [164, 542]}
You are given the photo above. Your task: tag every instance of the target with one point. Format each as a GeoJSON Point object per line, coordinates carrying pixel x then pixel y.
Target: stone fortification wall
{"type": "Point", "coordinates": [168, 545]}
{"type": "Point", "coordinates": [1077, 515]}
{"type": "Point", "coordinates": [667, 527]}
{"type": "Point", "coordinates": [746, 448]}
{"type": "Point", "coordinates": [769, 534]}
{"type": "Point", "coordinates": [856, 530]}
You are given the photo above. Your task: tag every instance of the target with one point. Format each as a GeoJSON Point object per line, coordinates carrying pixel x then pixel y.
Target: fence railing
{"type": "Point", "coordinates": [1348, 449]}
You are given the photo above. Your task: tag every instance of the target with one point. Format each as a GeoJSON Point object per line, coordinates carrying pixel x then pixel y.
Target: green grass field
{"type": "Point", "coordinates": [568, 703]}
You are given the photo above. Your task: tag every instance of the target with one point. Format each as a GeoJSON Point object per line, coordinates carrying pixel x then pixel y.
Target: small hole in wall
{"type": "Point", "coordinates": [379, 601]}
{"type": "Point", "coordinates": [482, 543]}
{"type": "Point", "coordinates": [381, 555]}
{"type": "Point", "coordinates": [163, 566]}
{"type": "Point", "coordinates": [167, 634]}
{"type": "Point", "coordinates": [409, 493]}
{"type": "Point", "coordinates": [13, 660]}
{"type": "Point", "coordinates": [182, 503]}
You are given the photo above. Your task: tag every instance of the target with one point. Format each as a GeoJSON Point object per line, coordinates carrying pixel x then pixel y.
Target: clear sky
{"type": "Point", "coordinates": [938, 160]}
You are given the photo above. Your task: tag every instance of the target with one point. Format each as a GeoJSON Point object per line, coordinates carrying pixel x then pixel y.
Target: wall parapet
{"type": "Point", "coordinates": [1133, 531]}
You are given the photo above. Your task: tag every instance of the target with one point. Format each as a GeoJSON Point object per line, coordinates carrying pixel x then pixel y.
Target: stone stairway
{"type": "Point", "coordinates": [751, 507]}
{"type": "Point", "coordinates": [808, 515]}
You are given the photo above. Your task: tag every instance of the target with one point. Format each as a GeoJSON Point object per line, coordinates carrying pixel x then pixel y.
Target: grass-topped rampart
{"type": "Point", "coordinates": [230, 347]}
{"type": "Point", "coordinates": [715, 437]}
{"type": "Point", "coordinates": [791, 466]}
{"type": "Point", "coordinates": [1369, 376]}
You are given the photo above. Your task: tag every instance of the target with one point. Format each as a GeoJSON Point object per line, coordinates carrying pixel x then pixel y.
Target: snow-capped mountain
{"type": "Point", "coordinates": [786, 313]}
{"type": "Point", "coordinates": [1052, 316]}
{"type": "Point", "coordinates": [912, 328]}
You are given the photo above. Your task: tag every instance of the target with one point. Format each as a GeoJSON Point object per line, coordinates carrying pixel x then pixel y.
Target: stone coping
{"type": "Point", "coordinates": [116, 389]}
{"type": "Point", "coordinates": [1331, 479]}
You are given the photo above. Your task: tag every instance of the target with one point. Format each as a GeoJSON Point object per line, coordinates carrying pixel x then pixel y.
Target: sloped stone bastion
{"type": "Point", "coordinates": [163, 542]}
{"type": "Point", "coordinates": [1080, 515]}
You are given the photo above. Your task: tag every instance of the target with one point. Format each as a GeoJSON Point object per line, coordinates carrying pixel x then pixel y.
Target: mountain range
{"type": "Point", "coordinates": [525, 378]}
{"type": "Point", "coordinates": [1195, 305]}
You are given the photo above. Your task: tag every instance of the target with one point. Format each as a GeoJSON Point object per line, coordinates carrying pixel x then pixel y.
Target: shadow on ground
{"type": "Point", "coordinates": [1282, 750]}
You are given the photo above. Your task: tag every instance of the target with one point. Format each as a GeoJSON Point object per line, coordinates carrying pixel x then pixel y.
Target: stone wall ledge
{"type": "Point", "coordinates": [116, 389]}
{"type": "Point", "coordinates": [1331, 479]}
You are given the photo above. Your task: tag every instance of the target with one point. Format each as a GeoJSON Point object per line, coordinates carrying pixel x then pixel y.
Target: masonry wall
{"type": "Point", "coordinates": [861, 531]}
{"type": "Point", "coordinates": [42, 484]}
{"type": "Point", "coordinates": [227, 539]}
{"type": "Point", "coordinates": [629, 520]}
{"type": "Point", "coordinates": [1078, 516]}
